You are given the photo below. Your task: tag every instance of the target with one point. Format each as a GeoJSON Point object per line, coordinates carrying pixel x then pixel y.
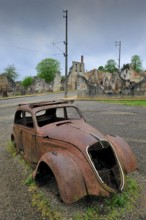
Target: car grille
{"type": "Point", "coordinates": [106, 165]}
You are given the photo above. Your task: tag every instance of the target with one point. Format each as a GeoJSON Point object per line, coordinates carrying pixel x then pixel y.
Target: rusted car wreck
{"type": "Point", "coordinates": [55, 137]}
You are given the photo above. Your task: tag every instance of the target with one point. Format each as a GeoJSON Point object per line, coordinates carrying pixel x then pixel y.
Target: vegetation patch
{"type": "Point", "coordinates": [115, 207]}
{"type": "Point", "coordinates": [11, 148]}
{"type": "Point", "coordinates": [128, 102]}
{"type": "Point", "coordinates": [40, 201]}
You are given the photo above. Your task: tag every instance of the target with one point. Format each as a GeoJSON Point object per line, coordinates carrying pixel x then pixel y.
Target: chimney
{"type": "Point", "coordinates": [82, 59]}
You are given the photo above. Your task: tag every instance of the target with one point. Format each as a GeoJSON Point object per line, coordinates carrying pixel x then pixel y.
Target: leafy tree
{"type": "Point", "coordinates": [10, 73]}
{"type": "Point", "coordinates": [136, 63]}
{"type": "Point", "coordinates": [47, 69]}
{"type": "Point", "coordinates": [27, 81]}
{"type": "Point", "coordinates": [101, 68]}
{"type": "Point", "coordinates": [111, 66]}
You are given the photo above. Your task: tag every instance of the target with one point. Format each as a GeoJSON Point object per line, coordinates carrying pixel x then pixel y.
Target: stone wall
{"type": "Point", "coordinates": [76, 69]}
{"type": "Point", "coordinates": [111, 84]}
{"type": "Point", "coordinates": [57, 83]}
{"type": "Point", "coordinates": [5, 86]}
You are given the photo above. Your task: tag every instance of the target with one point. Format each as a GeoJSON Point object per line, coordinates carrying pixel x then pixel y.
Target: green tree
{"type": "Point", "coordinates": [27, 81]}
{"type": "Point", "coordinates": [47, 69]}
{"type": "Point", "coordinates": [101, 68]}
{"type": "Point", "coordinates": [10, 73]}
{"type": "Point", "coordinates": [111, 66]}
{"type": "Point", "coordinates": [136, 63]}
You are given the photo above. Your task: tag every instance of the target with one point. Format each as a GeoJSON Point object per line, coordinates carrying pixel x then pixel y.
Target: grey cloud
{"type": "Point", "coordinates": [29, 27]}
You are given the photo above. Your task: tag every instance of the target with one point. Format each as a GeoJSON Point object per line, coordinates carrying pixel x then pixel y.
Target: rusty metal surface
{"type": "Point", "coordinates": [124, 152]}
{"type": "Point", "coordinates": [62, 148]}
{"type": "Point", "coordinates": [65, 170]}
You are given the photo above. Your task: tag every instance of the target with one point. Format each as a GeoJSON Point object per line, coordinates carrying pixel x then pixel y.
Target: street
{"type": "Point", "coordinates": [125, 121]}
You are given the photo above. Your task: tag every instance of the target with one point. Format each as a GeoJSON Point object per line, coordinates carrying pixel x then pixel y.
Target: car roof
{"type": "Point", "coordinates": [45, 104]}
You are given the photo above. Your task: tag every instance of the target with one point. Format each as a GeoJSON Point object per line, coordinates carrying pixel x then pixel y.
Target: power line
{"type": "Point", "coordinates": [30, 50]}
{"type": "Point", "coordinates": [54, 44]}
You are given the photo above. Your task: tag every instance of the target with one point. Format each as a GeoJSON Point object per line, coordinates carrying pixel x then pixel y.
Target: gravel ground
{"type": "Point", "coordinates": [15, 200]}
{"type": "Point", "coordinates": [128, 122]}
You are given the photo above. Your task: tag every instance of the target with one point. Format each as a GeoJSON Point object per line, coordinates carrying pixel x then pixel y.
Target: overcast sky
{"type": "Point", "coordinates": [28, 29]}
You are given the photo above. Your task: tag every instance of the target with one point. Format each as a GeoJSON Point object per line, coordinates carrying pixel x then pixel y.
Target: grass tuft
{"type": "Point", "coordinates": [29, 181]}
{"type": "Point", "coordinates": [114, 207]}
{"type": "Point", "coordinates": [11, 148]}
{"type": "Point", "coordinates": [40, 201]}
{"type": "Point", "coordinates": [127, 102]}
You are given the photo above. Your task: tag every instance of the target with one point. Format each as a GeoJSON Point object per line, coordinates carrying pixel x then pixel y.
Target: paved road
{"type": "Point", "coordinates": [15, 200]}
{"type": "Point", "coordinates": [128, 122]}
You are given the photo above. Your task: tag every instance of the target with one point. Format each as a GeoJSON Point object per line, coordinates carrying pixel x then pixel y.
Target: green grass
{"type": "Point", "coordinates": [40, 201]}
{"type": "Point", "coordinates": [127, 102]}
{"type": "Point", "coordinates": [115, 207]}
{"type": "Point", "coordinates": [11, 148]}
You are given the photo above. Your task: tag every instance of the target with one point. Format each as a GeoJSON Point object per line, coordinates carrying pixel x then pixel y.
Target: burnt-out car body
{"type": "Point", "coordinates": [55, 137]}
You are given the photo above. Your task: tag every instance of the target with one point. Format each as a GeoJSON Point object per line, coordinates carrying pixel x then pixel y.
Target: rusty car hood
{"type": "Point", "coordinates": [76, 132]}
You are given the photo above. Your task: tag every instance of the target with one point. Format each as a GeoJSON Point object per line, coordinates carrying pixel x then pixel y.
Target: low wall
{"type": "Point", "coordinates": [93, 93]}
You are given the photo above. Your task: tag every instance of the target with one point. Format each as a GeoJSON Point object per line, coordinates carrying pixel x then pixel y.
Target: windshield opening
{"type": "Point", "coordinates": [52, 115]}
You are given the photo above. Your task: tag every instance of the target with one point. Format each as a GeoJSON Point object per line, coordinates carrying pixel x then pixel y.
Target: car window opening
{"type": "Point", "coordinates": [24, 118]}
{"type": "Point", "coordinates": [18, 118]}
{"type": "Point", "coordinates": [52, 115]}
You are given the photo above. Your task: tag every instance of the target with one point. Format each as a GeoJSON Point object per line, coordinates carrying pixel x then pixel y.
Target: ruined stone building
{"type": "Point", "coordinates": [39, 85]}
{"type": "Point", "coordinates": [132, 76]}
{"type": "Point", "coordinates": [135, 81]}
{"type": "Point", "coordinates": [96, 82]}
{"type": "Point", "coordinates": [77, 68]}
{"type": "Point", "coordinates": [56, 84]}
{"type": "Point", "coordinates": [88, 83]}
{"type": "Point", "coordinates": [5, 85]}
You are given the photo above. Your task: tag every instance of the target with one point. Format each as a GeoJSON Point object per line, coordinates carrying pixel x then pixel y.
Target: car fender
{"type": "Point", "coordinates": [124, 153]}
{"type": "Point", "coordinates": [69, 178]}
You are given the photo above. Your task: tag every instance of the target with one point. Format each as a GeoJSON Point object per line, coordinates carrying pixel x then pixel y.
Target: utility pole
{"type": "Point", "coordinates": [118, 44]}
{"type": "Point", "coordinates": [66, 49]}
